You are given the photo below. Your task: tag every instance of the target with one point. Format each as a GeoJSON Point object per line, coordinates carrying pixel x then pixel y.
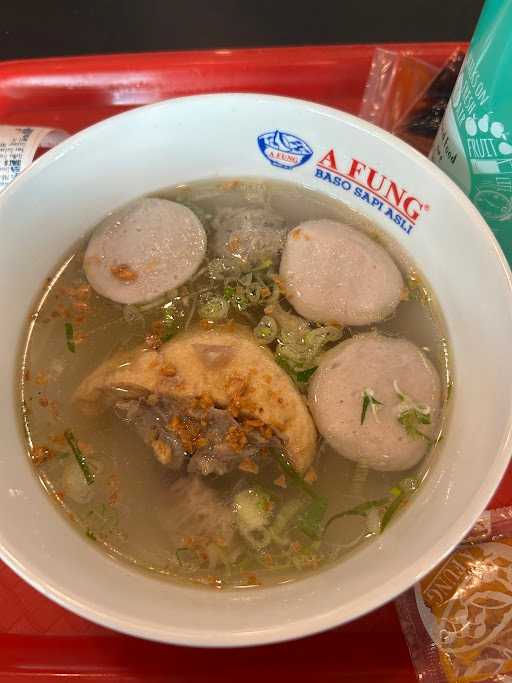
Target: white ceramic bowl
{"type": "Point", "coordinates": [73, 186]}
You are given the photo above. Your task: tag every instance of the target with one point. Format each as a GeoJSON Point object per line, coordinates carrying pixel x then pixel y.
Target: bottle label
{"type": "Point", "coordinates": [474, 142]}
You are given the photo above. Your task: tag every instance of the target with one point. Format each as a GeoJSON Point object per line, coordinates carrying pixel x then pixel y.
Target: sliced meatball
{"type": "Point", "coordinates": [333, 272]}
{"type": "Point", "coordinates": [402, 393]}
{"type": "Point", "coordinates": [143, 250]}
{"type": "Point", "coordinates": [248, 234]}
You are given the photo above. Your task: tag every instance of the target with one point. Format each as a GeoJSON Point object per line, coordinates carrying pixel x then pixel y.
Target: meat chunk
{"type": "Point", "coordinates": [333, 272]}
{"type": "Point", "coordinates": [143, 250]}
{"type": "Point", "coordinates": [376, 400]}
{"type": "Point", "coordinates": [191, 433]}
{"type": "Point", "coordinates": [224, 365]}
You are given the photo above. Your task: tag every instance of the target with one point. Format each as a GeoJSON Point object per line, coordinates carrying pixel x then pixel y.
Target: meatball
{"type": "Point", "coordinates": [398, 385]}
{"type": "Point", "coordinates": [143, 250]}
{"type": "Point", "coordinates": [333, 272]}
{"type": "Point", "coordinates": [189, 507]}
{"type": "Point", "coordinates": [249, 234]}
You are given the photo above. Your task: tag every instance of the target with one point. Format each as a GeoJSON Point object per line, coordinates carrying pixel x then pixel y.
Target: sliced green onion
{"type": "Point", "coordinates": [239, 299]}
{"type": "Point", "coordinates": [296, 354]}
{"type": "Point", "coordinates": [246, 279]}
{"type": "Point", "coordinates": [266, 330]}
{"type": "Point", "coordinates": [275, 295]}
{"type": "Point", "coordinates": [358, 510]}
{"type": "Point", "coordinates": [253, 509]}
{"type": "Point", "coordinates": [132, 314]}
{"type": "Point", "coordinates": [400, 493]}
{"type": "Point", "coordinates": [408, 484]}
{"type": "Point", "coordinates": [417, 289]}
{"type": "Point", "coordinates": [293, 475]}
{"type": "Point", "coordinates": [305, 375]}
{"type": "Point", "coordinates": [169, 324]}
{"type": "Point", "coordinates": [265, 264]}
{"type": "Point", "coordinates": [221, 268]}
{"type": "Point", "coordinates": [366, 403]}
{"type": "Point", "coordinates": [284, 517]}
{"type": "Point", "coordinates": [229, 293]}
{"type": "Point", "coordinates": [187, 558]}
{"type": "Point", "coordinates": [322, 335]}
{"type": "Point", "coordinates": [283, 363]}
{"type": "Point", "coordinates": [215, 308]}
{"type": "Point", "coordinates": [257, 539]}
{"type": "Point", "coordinates": [392, 509]}
{"type": "Point", "coordinates": [311, 519]}
{"type": "Point", "coordinates": [79, 456]}
{"type": "Point", "coordinates": [299, 376]}
{"type": "Point", "coordinates": [70, 337]}
{"type": "Point", "coordinates": [253, 293]}
{"type": "Point", "coordinates": [151, 304]}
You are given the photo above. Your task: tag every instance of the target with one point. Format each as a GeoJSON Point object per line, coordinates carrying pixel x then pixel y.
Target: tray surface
{"type": "Point", "coordinates": [38, 639]}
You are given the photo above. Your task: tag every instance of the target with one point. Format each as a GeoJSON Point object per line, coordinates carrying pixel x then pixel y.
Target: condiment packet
{"type": "Point", "coordinates": [20, 145]}
{"type": "Point", "coordinates": [395, 81]}
{"type": "Point", "coordinates": [458, 620]}
{"type": "Point", "coordinates": [408, 96]}
{"type": "Point", "coordinates": [420, 123]}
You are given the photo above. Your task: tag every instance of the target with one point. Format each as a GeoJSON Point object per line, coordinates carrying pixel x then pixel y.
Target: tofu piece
{"type": "Point", "coordinates": [333, 272]}
{"type": "Point", "coordinates": [140, 252]}
{"type": "Point", "coordinates": [225, 364]}
{"type": "Point", "coordinates": [384, 366]}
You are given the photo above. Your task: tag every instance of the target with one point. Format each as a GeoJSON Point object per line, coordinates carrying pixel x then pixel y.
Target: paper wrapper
{"type": "Point", "coordinates": [19, 145]}
{"type": "Point", "coordinates": [458, 620]}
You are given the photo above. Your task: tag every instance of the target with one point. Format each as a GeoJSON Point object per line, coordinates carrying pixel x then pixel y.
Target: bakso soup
{"type": "Point", "coordinates": [234, 383]}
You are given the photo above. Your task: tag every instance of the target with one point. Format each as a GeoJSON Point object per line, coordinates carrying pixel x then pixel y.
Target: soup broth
{"type": "Point", "coordinates": [262, 521]}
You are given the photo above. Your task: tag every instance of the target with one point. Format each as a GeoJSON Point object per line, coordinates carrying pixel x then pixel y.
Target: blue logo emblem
{"type": "Point", "coordinates": [284, 149]}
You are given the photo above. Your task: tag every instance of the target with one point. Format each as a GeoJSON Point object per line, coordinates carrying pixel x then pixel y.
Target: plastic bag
{"type": "Point", "coordinates": [458, 620]}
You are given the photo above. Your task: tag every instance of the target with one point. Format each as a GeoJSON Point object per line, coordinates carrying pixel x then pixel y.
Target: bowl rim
{"type": "Point", "coordinates": [412, 573]}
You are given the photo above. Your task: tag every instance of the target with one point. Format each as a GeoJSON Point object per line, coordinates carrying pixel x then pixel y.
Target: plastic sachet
{"type": "Point", "coordinates": [420, 123]}
{"type": "Point", "coordinates": [395, 81]}
{"type": "Point", "coordinates": [407, 96]}
{"type": "Point", "coordinates": [457, 621]}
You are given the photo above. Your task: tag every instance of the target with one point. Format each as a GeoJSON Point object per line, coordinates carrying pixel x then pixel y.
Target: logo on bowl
{"type": "Point", "coordinates": [284, 150]}
{"type": "Point", "coordinates": [374, 188]}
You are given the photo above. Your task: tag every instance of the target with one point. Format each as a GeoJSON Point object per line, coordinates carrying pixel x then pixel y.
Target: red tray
{"type": "Point", "coordinates": [38, 639]}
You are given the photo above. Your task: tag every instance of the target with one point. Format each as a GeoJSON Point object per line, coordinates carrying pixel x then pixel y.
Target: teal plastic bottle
{"type": "Point", "coordinates": [474, 142]}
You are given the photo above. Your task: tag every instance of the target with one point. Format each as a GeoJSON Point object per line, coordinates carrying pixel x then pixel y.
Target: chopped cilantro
{"type": "Point", "coordinates": [70, 337]}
